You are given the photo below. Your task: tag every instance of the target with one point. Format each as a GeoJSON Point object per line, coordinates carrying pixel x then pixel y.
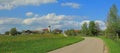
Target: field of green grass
{"type": "Point", "coordinates": [113, 46]}
{"type": "Point", "coordinates": [35, 43]}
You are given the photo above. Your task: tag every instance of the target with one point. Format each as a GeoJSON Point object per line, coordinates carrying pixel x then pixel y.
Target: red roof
{"type": "Point", "coordinates": [46, 29]}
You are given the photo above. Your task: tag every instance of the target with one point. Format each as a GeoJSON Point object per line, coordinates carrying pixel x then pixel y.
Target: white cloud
{"type": "Point", "coordinates": [73, 5]}
{"type": "Point", "coordinates": [101, 24]}
{"type": "Point", "coordinates": [7, 23]}
{"type": "Point", "coordinates": [29, 14]}
{"type": "Point", "coordinates": [51, 18]}
{"type": "Point", "coordinates": [9, 4]}
{"type": "Point", "coordinates": [56, 21]}
{"type": "Point", "coordinates": [85, 21]}
{"type": "Point", "coordinates": [29, 21]}
{"type": "Point", "coordinates": [37, 22]}
{"type": "Point", "coordinates": [10, 21]}
{"type": "Point", "coordinates": [3, 29]}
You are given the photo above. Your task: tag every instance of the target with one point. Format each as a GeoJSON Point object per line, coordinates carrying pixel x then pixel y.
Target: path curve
{"type": "Point", "coordinates": [89, 45]}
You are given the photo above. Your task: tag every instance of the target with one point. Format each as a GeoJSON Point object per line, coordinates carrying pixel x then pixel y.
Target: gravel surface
{"type": "Point", "coordinates": [89, 45]}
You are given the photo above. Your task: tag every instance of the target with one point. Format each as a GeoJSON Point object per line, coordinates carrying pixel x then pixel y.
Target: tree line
{"type": "Point", "coordinates": [113, 23]}
{"type": "Point", "coordinates": [14, 32]}
{"type": "Point", "coordinates": [93, 28]}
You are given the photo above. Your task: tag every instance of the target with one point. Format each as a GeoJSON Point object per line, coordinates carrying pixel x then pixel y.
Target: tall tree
{"type": "Point", "coordinates": [113, 25]}
{"type": "Point", "coordinates": [97, 28]}
{"type": "Point", "coordinates": [84, 29]}
{"type": "Point", "coordinates": [13, 31]}
{"type": "Point", "coordinates": [93, 29]}
{"type": "Point", "coordinates": [7, 33]}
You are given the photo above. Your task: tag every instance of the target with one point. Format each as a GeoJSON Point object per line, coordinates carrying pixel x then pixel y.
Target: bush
{"type": "Point", "coordinates": [57, 31]}
{"type": "Point", "coordinates": [13, 31]}
{"type": "Point", "coordinates": [7, 33]}
{"type": "Point", "coordinates": [70, 32]}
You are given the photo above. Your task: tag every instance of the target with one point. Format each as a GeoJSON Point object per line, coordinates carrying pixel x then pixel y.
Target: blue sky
{"type": "Point", "coordinates": [62, 14]}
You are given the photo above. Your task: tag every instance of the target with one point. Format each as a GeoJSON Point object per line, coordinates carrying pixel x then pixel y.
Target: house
{"type": "Point", "coordinates": [26, 32]}
{"type": "Point", "coordinates": [36, 32]}
{"type": "Point", "coordinates": [57, 31]}
{"type": "Point", "coordinates": [30, 32]}
{"type": "Point", "coordinates": [77, 31]}
{"type": "Point", "coordinates": [45, 30]}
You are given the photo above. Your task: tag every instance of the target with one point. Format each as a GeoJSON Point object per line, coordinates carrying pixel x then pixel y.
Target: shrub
{"type": "Point", "coordinates": [13, 31]}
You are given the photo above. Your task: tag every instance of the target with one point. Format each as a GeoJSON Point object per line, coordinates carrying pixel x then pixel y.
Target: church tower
{"type": "Point", "coordinates": [49, 28]}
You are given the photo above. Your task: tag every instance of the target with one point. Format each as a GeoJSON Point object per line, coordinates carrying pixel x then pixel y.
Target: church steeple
{"type": "Point", "coordinates": [49, 28]}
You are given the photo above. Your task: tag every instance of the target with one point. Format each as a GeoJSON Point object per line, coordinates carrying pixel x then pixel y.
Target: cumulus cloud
{"type": "Point", "coordinates": [7, 23]}
{"type": "Point", "coordinates": [51, 18]}
{"type": "Point", "coordinates": [73, 5]}
{"type": "Point", "coordinates": [101, 24]}
{"type": "Point", "coordinates": [37, 22]}
{"type": "Point", "coordinates": [29, 14]}
{"type": "Point", "coordinates": [9, 4]}
{"type": "Point", "coordinates": [85, 21]}
{"type": "Point", "coordinates": [56, 21]}
{"type": "Point", "coordinates": [10, 21]}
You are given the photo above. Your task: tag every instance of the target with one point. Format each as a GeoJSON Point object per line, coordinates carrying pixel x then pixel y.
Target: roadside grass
{"type": "Point", "coordinates": [35, 43]}
{"type": "Point", "coordinates": [113, 46]}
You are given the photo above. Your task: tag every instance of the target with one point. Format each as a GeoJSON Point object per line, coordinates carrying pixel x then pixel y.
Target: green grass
{"type": "Point", "coordinates": [113, 46]}
{"type": "Point", "coordinates": [35, 43]}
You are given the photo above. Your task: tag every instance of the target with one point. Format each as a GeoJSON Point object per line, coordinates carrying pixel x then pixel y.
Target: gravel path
{"type": "Point", "coordinates": [89, 45]}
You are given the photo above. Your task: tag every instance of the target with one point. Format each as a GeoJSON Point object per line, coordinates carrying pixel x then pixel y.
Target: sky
{"type": "Point", "coordinates": [59, 14]}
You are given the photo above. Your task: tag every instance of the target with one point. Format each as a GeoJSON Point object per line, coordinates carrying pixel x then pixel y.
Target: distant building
{"type": "Point", "coordinates": [77, 31]}
{"type": "Point", "coordinates": [26, 32]}
{"type": "Point", "coordinates": [57, 31]}
{"type": "Point", "coordinates": [36, 32]}
{"type": "Point", "coordinates": [49, 28]}
{"type": "Point", "coordinates": [46, 30]}
{"type": "Point", "coordinates": [30, 32]}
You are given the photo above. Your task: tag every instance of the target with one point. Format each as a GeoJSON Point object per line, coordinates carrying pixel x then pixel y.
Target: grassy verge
{"type": "Point", "coordinates": [113, 46]}
{"type": "Point", "coordinates": [34, 43]}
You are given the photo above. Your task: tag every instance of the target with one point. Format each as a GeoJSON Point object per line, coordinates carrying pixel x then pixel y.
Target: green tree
{"type": "Point", "coordinates": [97, 27]}
{"type": "Point", "coordinates": [93, 29]}
{"type": "Point", "coordinates": [70, 32]}
{"type": "Point", "coordinates": [84, 29]}
{"type": "Point", "coordinates": [13, 31]}
{"type": "Point", "coordinates": [7, 33]}
{"type": "Point", "coordinates": [113, 24]}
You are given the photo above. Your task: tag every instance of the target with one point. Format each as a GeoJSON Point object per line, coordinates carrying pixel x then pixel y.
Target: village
{"type": "Point", "coordinates": [43, 31]}
{"type": "Point", "coordinates": [59, 26]}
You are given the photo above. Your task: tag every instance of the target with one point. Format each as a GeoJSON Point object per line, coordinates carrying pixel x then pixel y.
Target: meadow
{"type": "Point", "coordinates": [35, 43]}
{"type": "Point", "coordinates": [113, 46]}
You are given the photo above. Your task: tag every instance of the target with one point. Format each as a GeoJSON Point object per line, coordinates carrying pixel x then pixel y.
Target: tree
{"type": "Point", "coordinates": [118, 30]}
{"type": "Point", "coordinates": [7, 33]}
{"type": "Point", "coordinates": [84, 29]}
{"type": "Point", "coordinates": [97, 27]}
{"type": "Point", "coordinates": [13, 31]}
{"type": "Point", "coordinates": [113, 24]}
{"type": "Point", "coordinates": [57, 31]}
{"type": "Point", "coordinates": [70, 32]}
{"type": "Point", "coordinates": [27, 32]}
{"type": "Point", "coordinates": [93, 29]}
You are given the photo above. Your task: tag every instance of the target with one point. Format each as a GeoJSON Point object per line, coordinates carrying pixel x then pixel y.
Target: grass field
{"type": "Point", "coordinates": [113, 46]}
{"type": "Point", "coordinates": [35, 43]}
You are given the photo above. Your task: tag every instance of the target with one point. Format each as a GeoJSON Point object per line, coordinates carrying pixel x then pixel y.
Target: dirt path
{"type": "Point", "coordinates": [89, 45]}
